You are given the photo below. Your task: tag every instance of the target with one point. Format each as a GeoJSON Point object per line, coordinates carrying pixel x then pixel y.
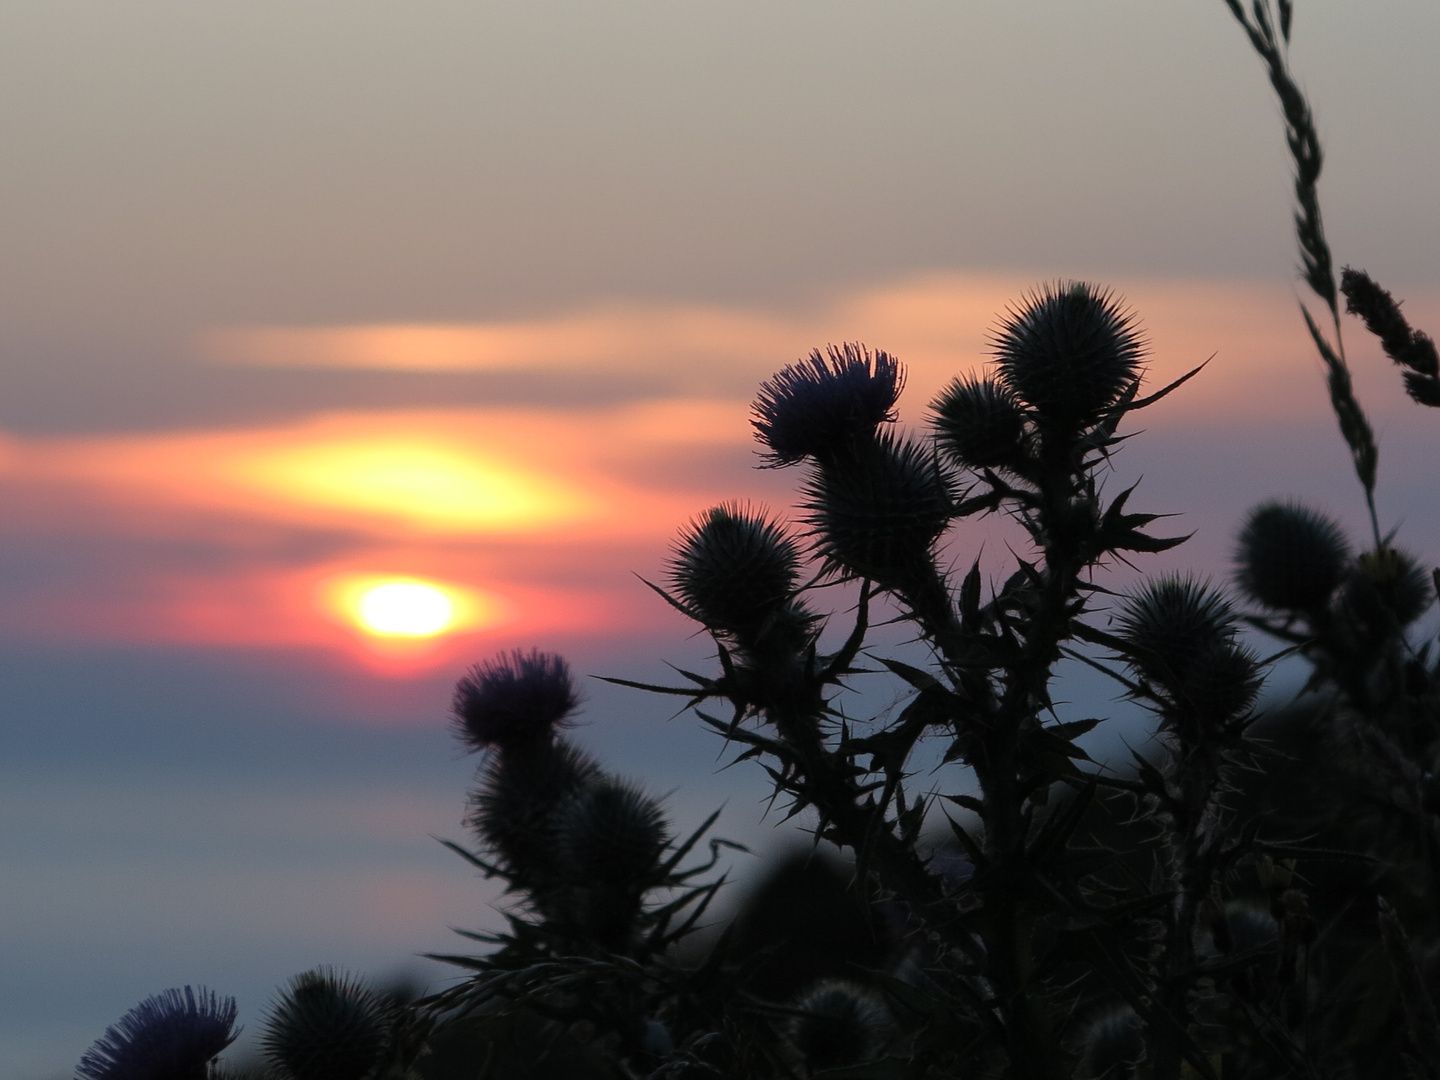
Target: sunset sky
{"type": "Point", "coordinates": [302, 298]}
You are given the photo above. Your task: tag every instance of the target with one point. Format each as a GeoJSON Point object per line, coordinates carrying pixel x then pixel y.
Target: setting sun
{"type": "Point", "coordinates": [409, 607]}
{"type": "Point", "coordinates": [406, 608]}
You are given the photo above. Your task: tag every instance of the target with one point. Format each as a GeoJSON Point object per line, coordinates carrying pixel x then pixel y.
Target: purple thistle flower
{"type": "Point", "coordinates": [171, 1036]}
{"type": "Point", "coordinates": [820, 404]}
{"type": "Point", "coordinates": [515, 697]}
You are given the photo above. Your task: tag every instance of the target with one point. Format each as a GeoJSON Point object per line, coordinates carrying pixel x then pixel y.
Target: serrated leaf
{"type": "Point", "coordinates": [1073, 729]}
{"type": "Point", "coordinates": [886, 1068]}
{"type": "Point", "coordinates": [968, 802]}
{"type": "Point", "coordinates": [1166, 390]}
{"type": "Point", "coordinates": [488, 868]}
{"type": "Point", "coordinates": [1132, 539]}
{"type": "Point", "coordinates": [972, 848]}
{"type": "Point", "coordinates": [970, 597]}
{"type": "Point", "coordinates": [1057, 829]}
{"type": "Point", "coordinates": [919, 679]}
{"type": "Point", "coordinates": [685, 846]}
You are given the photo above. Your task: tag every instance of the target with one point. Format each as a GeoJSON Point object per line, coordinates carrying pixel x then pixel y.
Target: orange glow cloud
{"type": "Point", "coordinates": [313, 607]}
{"type": "Point", "coordinates": [532, 517]}
{"type": "Point", "coordinates": [622, 337]}
{"type": "Point", "coordinates": [936, 324]}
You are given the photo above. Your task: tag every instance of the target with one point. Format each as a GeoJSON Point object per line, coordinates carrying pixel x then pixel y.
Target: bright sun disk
{"type": "Point", "coordinates": [405, 609]}
{"type": "Point", "coordinates": [402, 608]}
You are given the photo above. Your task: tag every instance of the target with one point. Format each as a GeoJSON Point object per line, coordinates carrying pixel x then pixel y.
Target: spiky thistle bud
{"type": "Point", "coordinates": [512, 809]}
{"type": "Point", "coordinates": [1069, 351]}
{"type": "Point", "coordinates": [1114, 1045]}
{"type": "Point", "coordinates": [657, 1040]}
{"type": "Point", "coordinates": [174, 1035]}
{"type": "Point", "coordinates": [609, 839]}
{"type": "Point", "coordinates": [1179, 636]}
{"type": "Point", "coordinates": [516, 697]}
{"type": "Point", "coordinates": [1291, 558]}
{"type": "Point", "coordinates": [734, 569]}
{"type": "Point", "coordinates": [1386, 590]}
{"type": "Point", "coordinates": [327, 1026]}
{"type": "Point", "coordinates": [980, 424]}
{"type": "Point", "coordinates": [843, 1024]}
{"type": "Point", "coordinates": [819, 406]}
{"type": "Point", "coordinates": [610, 832]}
{"type": "Point", "coordinates": [879, 514]}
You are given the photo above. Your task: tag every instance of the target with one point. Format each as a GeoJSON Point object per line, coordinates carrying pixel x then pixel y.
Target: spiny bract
{"type": "Point", "coordinates": [733, 569]}
{"type": "Point", "coordinates": [1069, 351]}
{"type": "Point", "coordinates": [326, 1026]}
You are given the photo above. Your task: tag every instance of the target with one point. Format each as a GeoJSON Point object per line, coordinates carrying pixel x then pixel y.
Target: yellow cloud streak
{"type": "Point", "coordinates": [471, 472]}
{"type": "Point", "coordinates": [432, 484]}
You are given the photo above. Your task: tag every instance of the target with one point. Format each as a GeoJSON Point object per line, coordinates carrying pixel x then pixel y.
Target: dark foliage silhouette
{"type": "Point", "coordinates": [1255, 898]}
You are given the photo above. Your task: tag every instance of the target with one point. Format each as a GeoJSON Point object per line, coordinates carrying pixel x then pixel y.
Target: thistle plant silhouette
{"type": "Point", "coordinates": [1256, 899]}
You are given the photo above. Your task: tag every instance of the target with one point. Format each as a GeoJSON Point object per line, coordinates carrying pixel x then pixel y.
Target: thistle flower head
{"type": "Point", "coordinates": [1069, 352]}
{"type": "Point", "coordinates": [1250, 926]}
{"type": "Point", "coordinates": [516, 697]}
{"type": "Point", "coordinates": [326, 1026]}
{"type": "Point", "coordinates": [820, 405]}
{"type": "Point", "coordinates": [1290, 558]}
{"type": "Point", "coordinates": [171, 1036]}
{"type": "Point", "coordinates": [1114, 1045]}
{"type": "Point", "coordinates": [1169, 620]}
{"type": "Point", "coordinates": [1386, 590]}
{"type": "Point", "coordinates": [611, 833]}
{"type": "Point", "coordinates": [879, 514]}
{"type": "Point", "coordinates": [1222, 682]}
{"type": "Point", "coordinates": [512, 810]}
{"type": "Point", "coordinates": [844, 1024]}
{"type": "Point", "coordinates": [979, 423]}
{"type": "Point", "coordinates": [1179, 636]}
{"type": "Point", "coordinates": [734, 569]}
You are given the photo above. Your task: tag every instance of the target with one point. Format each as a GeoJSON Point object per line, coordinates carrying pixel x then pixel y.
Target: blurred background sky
{"type": "Point", "coordinates": [301, 297]}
